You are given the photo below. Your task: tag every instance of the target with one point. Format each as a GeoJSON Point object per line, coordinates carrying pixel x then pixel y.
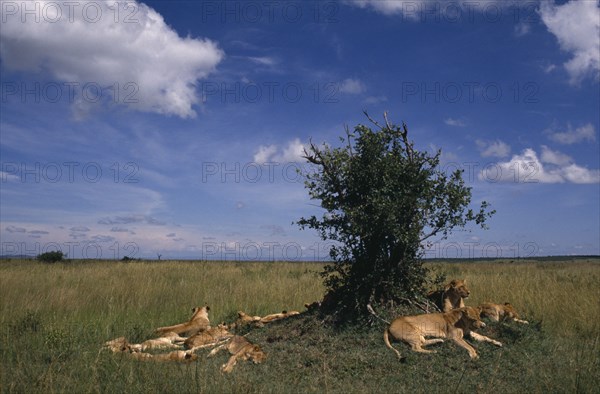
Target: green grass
{"type": "Point", "coordinates": [54, 319]}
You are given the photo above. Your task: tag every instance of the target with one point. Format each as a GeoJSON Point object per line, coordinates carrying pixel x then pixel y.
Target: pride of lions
{"type": "Point", "coordinates": [197, 333]}
{"type": "Point", "coordinates": [455, 321]}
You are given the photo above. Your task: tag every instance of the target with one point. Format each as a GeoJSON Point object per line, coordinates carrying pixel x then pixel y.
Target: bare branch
{"type": "Point", "coordinates": [373, 120]}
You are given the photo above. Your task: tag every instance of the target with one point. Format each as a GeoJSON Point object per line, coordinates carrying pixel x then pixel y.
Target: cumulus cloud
{"type": "Point", "coordinates": [352, 86]}
{"type": "Point", "coordinates": [554, 157]}
{"type": "Point", "coordinates": [292, 153]}
{"type": "Point", "coordinates": [133, 51]}
{"type": "Point", "coordinates": [493, 148]}
{"type": "Point", "coordinates": [552, 167]}
{"type": "Point", "coordinates": [577, 28]}
{"type": "Point", "coordinates": [573, 136]}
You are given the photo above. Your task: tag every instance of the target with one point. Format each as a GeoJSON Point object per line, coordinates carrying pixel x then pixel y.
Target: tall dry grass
{"type": "Point", "coordinates": [565, 297]}
{"type": "Point", "coordinates": [54, 319]}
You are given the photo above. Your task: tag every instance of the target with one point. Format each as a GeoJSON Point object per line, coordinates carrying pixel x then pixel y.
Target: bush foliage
{"type": "Point", "coordinates": [383, 200]}
{"type": "Point", "coordinates": [50, 257]}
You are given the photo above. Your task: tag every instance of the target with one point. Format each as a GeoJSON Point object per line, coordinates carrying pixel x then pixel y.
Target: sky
{"type": "Point", "coordinates": [174, 129]}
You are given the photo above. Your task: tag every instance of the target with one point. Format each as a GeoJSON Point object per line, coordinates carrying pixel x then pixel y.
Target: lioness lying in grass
{"type": "Point", "coordinates": [496, 312]}
{"type": "Point", "coordinates": [239, 348]}
{"type": "Point", "coordinates": [453, 325]}
{"type": "Point", "coordinates": [198, 322]}
{"type": "Point", "coordinates": [177, 355]}
{"type": "Point", "coordinates": [210, 336]}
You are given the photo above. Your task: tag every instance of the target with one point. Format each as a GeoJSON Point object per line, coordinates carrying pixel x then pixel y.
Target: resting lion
{"type": "Point", "coordinates": [239, 348]}
{"type": "Point", "coordinates": [118, 345]}
{"type": "Point", "coordinates": [499, 311]}
{"type": "Point", "coordinates": [453, 325]}
{"type": "Point", "coordinates": [210, 336]}
{"type": "Point", "coordinates": [278, 316]}
{"type": "Point", "coordinates": [245, 319]}
{"type": "Point", "coordinates": [169, 340]}
{"type": "Point", "coordinates": [198, 322]}
{"type": "Point", "coordinates": [451, 297]}
{"type": "Point", "coordinates": [177, 355]}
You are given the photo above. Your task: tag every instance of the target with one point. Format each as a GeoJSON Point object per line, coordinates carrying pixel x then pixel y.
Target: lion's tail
{"type": "Point", "coordinates": [386, 339]}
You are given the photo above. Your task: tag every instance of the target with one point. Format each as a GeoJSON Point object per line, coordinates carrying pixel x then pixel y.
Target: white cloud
{"type": "Point", "coordinates": [577, 28]}
{"type": "Point", "coordinates": [265, 153]}
{"type": "Point", "coordinates": [554, 157]}
{"type": "Point", "coordinates": [420, 9]}
{"type": "Point", "coordinates": [352, 86]}
{"type": "Point", "coordinates": [376, 99]}
{"type": "Point", "coordinates": [263, 60]}
{"type": "Point", "coordinates": [493, 148]}
{"type": "Point", "coordinates": [549, 68]}
{"type": "Point", "coordinates": [572, 136]}
{"type": "Point", "coordinates": [455, 122]}
{"type": "Point", "coordinates": [528, 168]}
{"type": "Point", "coordinates": [292, 153]}
{"type": "Point", "coordinates": [5, 177]}
{"type": "Point", "coordinates": [154, 68]}
{"type": "Point", "coordinates": [522, 29]}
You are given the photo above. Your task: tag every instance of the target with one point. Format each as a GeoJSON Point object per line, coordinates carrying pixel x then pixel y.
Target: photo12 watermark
{"type": "Point", "coordinates": [69, 172]}
{"type": "Point", "coordinates": [73, 250]}
{"type": "Point", "coordinates": [70, 92]}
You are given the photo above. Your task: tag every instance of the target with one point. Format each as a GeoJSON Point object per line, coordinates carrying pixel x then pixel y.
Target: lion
{"type": "Point", "coordinates": [452, 297]}
{"type": "Point", "coordinates": [239, 348]}
{"type": "Point", "coordinates": [118, 345]}
{"type": "Point", "coordinates": [169, 340]}
{"type": "Point", "coordinates": [453, 325]}
{"type": "Point", "coordinates": [177, 355]}
{"type": "Point", "coordinates": [499, 311]}
{"type": "Point", "coordinates": [198, 322]}
{"type": "Point", "coordinates": [278, 316]}
{"type": "Point", "coordinates": [210, 336]}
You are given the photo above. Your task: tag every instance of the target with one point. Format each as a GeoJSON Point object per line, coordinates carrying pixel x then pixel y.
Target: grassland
{"type": "Point", "coordinates": [54, 319]}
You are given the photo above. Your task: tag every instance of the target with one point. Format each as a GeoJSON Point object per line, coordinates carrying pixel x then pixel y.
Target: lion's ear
{"type": "Point", "coordinates": [507, 303]}
{"type": "Point", "coordinates": [256, 348]}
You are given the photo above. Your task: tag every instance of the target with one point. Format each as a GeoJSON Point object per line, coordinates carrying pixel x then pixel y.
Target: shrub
{"type": "Point", "coordinates": [50, 257]}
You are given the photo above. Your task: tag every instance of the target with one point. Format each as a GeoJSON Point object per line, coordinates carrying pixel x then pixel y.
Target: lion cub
{"type": "Point", "coordinates": [453, 325]}
{"type": "Point", "coordinates": [240, 347]}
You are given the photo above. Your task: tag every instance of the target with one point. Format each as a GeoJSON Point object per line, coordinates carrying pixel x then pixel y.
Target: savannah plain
{"type": "Point", "coordinates": [54, 319]}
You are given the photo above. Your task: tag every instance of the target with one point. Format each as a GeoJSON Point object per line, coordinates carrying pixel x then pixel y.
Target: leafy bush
{"type": "Point", "coordinates": [383, 200]}
{"type": "Point", "coordinates": [50, 257]}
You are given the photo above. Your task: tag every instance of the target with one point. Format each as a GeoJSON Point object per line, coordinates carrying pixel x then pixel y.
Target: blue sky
{"type": "Point", "coordinates": [175, 127]}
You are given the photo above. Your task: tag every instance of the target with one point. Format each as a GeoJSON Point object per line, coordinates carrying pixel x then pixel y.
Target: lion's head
{"type": "Point", "coordinates": [458, 287]}
{"type": "Point", "coordinates": [256, 354]}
